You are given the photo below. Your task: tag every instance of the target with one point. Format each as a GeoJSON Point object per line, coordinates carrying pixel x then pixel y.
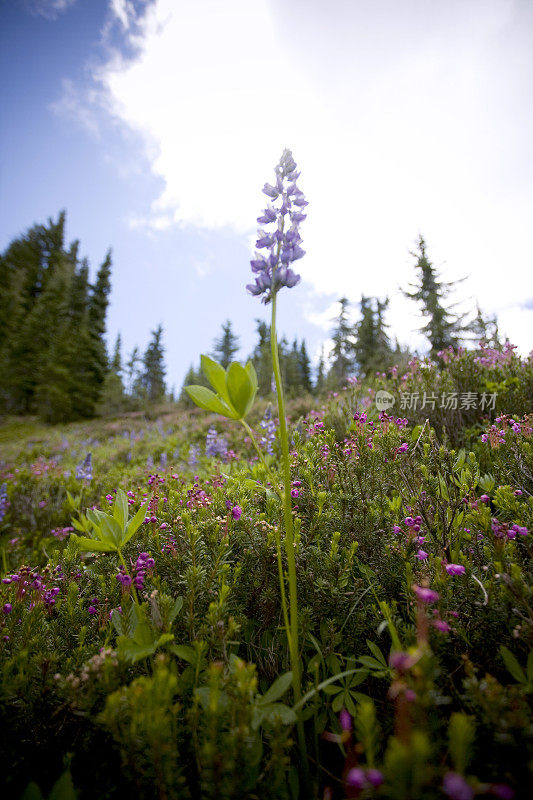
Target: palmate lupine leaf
{"type": "Point", "coordinates": [109, 532]}
{"type": "Point", "coordinates": [234, 389]}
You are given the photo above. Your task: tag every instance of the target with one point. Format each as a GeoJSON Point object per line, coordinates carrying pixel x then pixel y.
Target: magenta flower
{"type": "Point", "coordinates": [374, 777]}
{"type": "Point", "coordinates": [422, 555]}
{"type": "Point", "coordinates": [345, 719]}
{"type": "Point", "coordinates": [425, 595]}
{"type": "Point", "coordinates": [356, 778]}
{"type": "Point", "coordinates": [236, 512]}
{"type": "Point", "coordinates": [455, 787]}
{"type": "Point", "coordinates": [455, 569]}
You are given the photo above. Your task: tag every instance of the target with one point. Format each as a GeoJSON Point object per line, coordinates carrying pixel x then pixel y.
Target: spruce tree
{"type": "Point", "coordinates": [153, 377]}
{"type": "Point", "coordinates": [320, 383]}
{"type": "Point", "coordinates": [485, 329]}
{"type": "Point", "coordinates": [372, 346]}
{"type": "Point", "coordinates": [343, 344]}
{"type": "Point", "coordinates": [226, 345]}
{"type": "Point", "coordinates": [444, 328]}
{"type": "Point", "coordinates": [305, 368]}
{"type": "Point", "coordinates": [262, 359]}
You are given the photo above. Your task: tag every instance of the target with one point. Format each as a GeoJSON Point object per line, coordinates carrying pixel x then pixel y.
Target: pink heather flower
{"type": "Point", "coordinates": [409, 521]}
{"type": "Point", "coordinates": [397, 529]}
{"type": "Point", "coordinates": [236, 512]}
{"type": "Point", "coordinates": [295, 493]}
{"type": "Point", "coordinates": [422, 555]}
{"type": "Point", "coordinates": [356, 778]}
{"type": "Point", "coordinates": [484, 498]}
{"type": "Point", "coordinates": [441, 626]}
{"type": "Point", "coordinates": [403, 448]}
{"type": "Point", "coordinates": [455, 569]}
{"type": "Point", "coordinates": [345, 720]}
{"type": "Point", "coordinates": [7, 608]}
{"type": "Point", "coordinates": [374, 777]}
{"type": "Point", "coordinates": [502, 791]}
{"type": "Point", "coordinates": [400, 661]}
{"type": "Point", "coordinates": [92, 610]}
{"type": "Point", "coordinates": [455, 787]}
{"type": "Point", "coordinates": [425, 595]}
{"type": "Point", "coordinates": [518, 493]}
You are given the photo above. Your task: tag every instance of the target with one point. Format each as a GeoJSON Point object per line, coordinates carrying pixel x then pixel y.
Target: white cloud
{"type": "Point", "coordinates": [49, 9]}
{"type": "Point", "coordinates": [402, 117]}
{"type": "Point", "coordinates": [82, 106]}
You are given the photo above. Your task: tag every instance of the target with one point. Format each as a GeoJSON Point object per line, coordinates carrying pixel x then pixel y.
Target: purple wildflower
{"type": "Point", "coordinates": [273, 270]}
{"type": "Point", "coordinates": [455, 569]}
{"type": "Point", "coordinates": [236, 512]}
{"type": "Point", "coordinates": [425, 595]}
{"type": "Point", "coordinates": [356, 778]}
{"type": "Point", "coordinates": [84, 471]}
{"type": "Point", "coordinates": [455, 787]}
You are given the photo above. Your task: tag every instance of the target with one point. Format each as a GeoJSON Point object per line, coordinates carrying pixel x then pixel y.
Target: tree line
{"type": "Point", "coordinates": [54, 362]}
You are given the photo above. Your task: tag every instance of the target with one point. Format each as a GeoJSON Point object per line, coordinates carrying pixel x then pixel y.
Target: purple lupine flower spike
{"type": "Point", "coordinates": [284, 241]}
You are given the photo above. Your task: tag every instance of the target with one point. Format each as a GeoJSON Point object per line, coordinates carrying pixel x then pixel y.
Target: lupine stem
{"type": "Point", "coordinates": [292, 633]}
{"type": "Point", "coordinates": [284, 606]}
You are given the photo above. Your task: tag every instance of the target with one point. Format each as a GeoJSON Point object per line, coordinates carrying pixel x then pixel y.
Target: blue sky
{"type": "Point", "coordinates": [156, 124]}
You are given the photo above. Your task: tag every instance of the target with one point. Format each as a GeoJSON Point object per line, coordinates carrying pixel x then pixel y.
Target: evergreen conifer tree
{"type": "Point", "coordinates": [153, 377]}
{"type": "Point", "coordinates": [226, 345]}
{"type": "Point", "coordinates": [305, 368]}
{"type": "Point", "coordinates": [343, 344]}
{"type": "Point", "coordinates": [443, 328]}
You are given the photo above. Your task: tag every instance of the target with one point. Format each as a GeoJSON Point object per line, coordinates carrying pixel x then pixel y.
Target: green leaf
{"type": "Point", "coordinates": [216, 375]}
{"type": "Point", "coordinates": [176, 608]}
{"type": "Point", "coordinates": [209, 401]}
{"type": "Point", "coordinates": [280, 711]}
{"type": "Point", "coordinates": [512, 665]}
{"type": "Point", "coordinates": [239, 388]}
{"type": "Point", "coordinates": [184, 652]}
{"type": "Point", "coordinates": [121, 509]}
{"type": "Point", "coordinates": [64, 788]}
{"type": "Point", "coordinates": [78, 525]}
{"type": "Point", "coordinates": [371, 663]}
{"type": "Point", "coordinates": [277, 690]}
{"type": "Point", "coordinates": [377, 652]}
{"type": "Point", "coordinates": [135, 523]}
{"type": "Point", "coordinates": [92, 545]}
{"type": "Point", "coordinates": [111, 530]}
{"type": "Point", "coordinates": [252, 375]}
{"type": "Point", "coordinates": [32, 792]}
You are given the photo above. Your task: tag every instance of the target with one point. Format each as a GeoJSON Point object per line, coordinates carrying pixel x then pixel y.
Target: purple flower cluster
{"type": "Point", "coordinates": [28, 584]}
{"type": "Point", "coordinates": [4, 502]}
{"type": "Point", "coordinates": [269, 427]}
{"type": "Point", "coordinates": [215, 445]}
{"type": "Point", "coordinates": [84, 471]}
{"type": "Point", "coordinates": [502, 530]}
{"type": "Point", "coordinates": [282, 244]}
{"type": "Point", "coordinates": [358, 778]}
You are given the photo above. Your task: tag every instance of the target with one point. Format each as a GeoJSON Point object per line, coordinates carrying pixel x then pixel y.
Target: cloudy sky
{"type": "Point", "coordinates": [155, 125]}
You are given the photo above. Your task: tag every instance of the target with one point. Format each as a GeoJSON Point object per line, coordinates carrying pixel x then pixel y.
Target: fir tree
{"type": "Point", "coordinates": [443, 328]}
{"type": "Point", "coordinates": [372, 346]}
{"type": "Point", "coordinates": [262, 359]}
{"type": "Point", "coordinates": [226, 346]}
{"type": "Point", "coordinates": [133, 378]}
{"type": "Point", "coordinates": [305, 368]}
{"type": "Point", "coordinates": [485, 329]}
{"type": "Point", "coordinates": [153, 377]}
{"type": "Point", "coordinates": [343, 343]}
{"type": "Point", "coordinates": [320, 383]}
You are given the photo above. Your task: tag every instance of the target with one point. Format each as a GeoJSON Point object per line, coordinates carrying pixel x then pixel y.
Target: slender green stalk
{"type": "Point", "coordinates": [292, 633]}
{"type": "Point", "coordinates": [284, 606]}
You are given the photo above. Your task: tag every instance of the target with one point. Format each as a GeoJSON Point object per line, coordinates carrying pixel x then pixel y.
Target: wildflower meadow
{"type": "Point", "coordinates": [269, 594]}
